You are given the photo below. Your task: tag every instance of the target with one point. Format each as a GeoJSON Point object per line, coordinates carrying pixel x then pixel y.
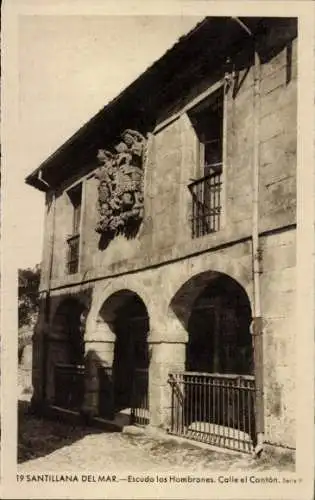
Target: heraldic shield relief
{"type": "Point", "coordinates": [120, 190]}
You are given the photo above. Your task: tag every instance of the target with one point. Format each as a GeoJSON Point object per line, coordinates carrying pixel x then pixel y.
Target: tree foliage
{"type": "Point", "coordinates": [28, 282]}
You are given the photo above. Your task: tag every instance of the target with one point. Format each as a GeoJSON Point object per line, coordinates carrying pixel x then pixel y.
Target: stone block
{"type": "Point", "coordinates": [168, 138]}
{"type": "Point", "coordinates": [278, 98]}
{"type": "Point", "coordinates": [278, 204]}
{"type": "Point", "coordinates": [239, 207]}
{"type": "Point", "coordinates": [279, 427]}
{"type": "Point", "coordinates": [280, 153]}
{"type": "Point", "coordinates": [276, 303]}
{"type": "Point", "coordinates": [241, 108]}
{"type": "Point", "coordinates": [239, 185]}
{"type": "Point", "coordinates": [280, 280]}
{"type": "Point", "coordinates": [278, 257]}
{"type": "Point", "coordinates": [277, 240]}
{"type": "Point", "coordinates": [279, 343]}
{"type": "Point", "coordinates": [168, 354]}
{"type": "Point", "coordinates": [274, 80]}
{"type": "Point", "coordinates": [277, 122]}
{"type": "Point", "coordinates": [273, 64]}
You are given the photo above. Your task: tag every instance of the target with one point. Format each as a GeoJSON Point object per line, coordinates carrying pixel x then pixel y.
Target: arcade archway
{"type": "Point", "coordinates": [219, 329]}
{"type": "Point", "coordinates": [125, 315]}
{"type": "Point", "coordinates": [213, 400]}
{"type": "Point", "coordinates": [66, 354]}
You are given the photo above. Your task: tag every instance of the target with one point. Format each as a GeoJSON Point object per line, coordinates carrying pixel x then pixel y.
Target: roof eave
{"type": "Point", "coordinates": [33, 178]}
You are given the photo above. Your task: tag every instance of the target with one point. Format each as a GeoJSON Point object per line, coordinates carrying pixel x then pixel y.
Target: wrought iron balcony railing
{"type": "Point", "coordinates": [206, 204]}
{"type": "Point", "coordinates": [73, 243]}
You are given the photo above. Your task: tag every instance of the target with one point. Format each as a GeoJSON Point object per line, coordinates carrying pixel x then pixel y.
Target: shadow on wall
{"type": "Point", "coordinates": [98, 386]}
{"type": "Point", "coordinates": [130, 232]}
{"type": "Point", "coordinates": [126, 316]}
{"type": "Point", "coordinates": [117, 388]}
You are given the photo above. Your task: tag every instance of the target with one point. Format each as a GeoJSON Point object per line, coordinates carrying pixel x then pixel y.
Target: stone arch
{"type": "Point", "coordinates": [221, 262]}
{"type": "Point", "coordinates": [205, 267]}
{"type": "Point", "coordinates": [65, 351]}
{"type": "Point", "coordinates": [83, 298]}
{"type": "Point", "coordinates": [121, 351]}
{"type": "Point", "coordinates": [102, 294]}
{"type": "Point", "coordinates": [67, 327]}
{"type": "Point", "coordinates": [215, 311]}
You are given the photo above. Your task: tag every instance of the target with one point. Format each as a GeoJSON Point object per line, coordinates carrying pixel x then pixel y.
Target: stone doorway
{"type": "Point", "coordinates": [219, 330]}
{"type": "Point", "coordinates": [213, 400]}
{"type": "Point", "coordinates": [65, 370]}
{"type": "Point", "coordinates": [131, 349]}
{"type": "Point", "coordinates": [126, 316]}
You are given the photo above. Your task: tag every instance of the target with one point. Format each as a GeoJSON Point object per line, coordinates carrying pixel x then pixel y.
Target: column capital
{"type": "Point", "coordinates": [102, 333]}
{"type": "Point", "coordinates": [168, 336]}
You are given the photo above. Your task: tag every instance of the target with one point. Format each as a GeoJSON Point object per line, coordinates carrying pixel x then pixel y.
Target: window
{"type": "Point", "coordinates": [73, 240]}
{"type": "Point", "coordinates": [207, 121]}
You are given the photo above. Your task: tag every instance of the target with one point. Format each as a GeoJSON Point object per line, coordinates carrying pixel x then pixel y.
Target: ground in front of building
{"type": "Point", "coordinates": [54, 446]}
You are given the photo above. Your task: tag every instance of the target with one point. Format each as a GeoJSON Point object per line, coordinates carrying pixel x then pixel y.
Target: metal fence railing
{"type": "Point", "coordinates": [73, 253]}
{"type": "Point", "coordinates": [217, 409]}
{"type": "Point", "coordinates": [69, 386]}
{"type": "Point", "coordinates": [206, 204]}
{"type": "Point", "coordinates": [140, 397]}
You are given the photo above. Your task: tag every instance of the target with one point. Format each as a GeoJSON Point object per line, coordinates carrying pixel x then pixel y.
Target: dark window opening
{"type": "Point", "coordinates": [207, 120]}
{"type": "Point", "coordinates": [75, 196]}
{"type": "Point", "coordinates": [73, 240]}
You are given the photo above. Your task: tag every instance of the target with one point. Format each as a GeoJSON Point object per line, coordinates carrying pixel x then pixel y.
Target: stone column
{"type": "Point", "coordinates": [99, 358]}
{"type": "Point", "coordinates": [168, 348]}
{"type": "Point", "coordinates": [166, 358]}
{"type": "Point", "coordinates": [39, 360]}
{"type": "Point", "coordinates": [38, 379]}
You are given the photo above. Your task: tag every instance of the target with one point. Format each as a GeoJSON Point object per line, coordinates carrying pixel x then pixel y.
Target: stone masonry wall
{"type": "Point", "coordinates": [278, 139]}
{"type": "Point", "coordinates": [167, 337]}
{"type": "Point", "coordinates": [166, 230]}
{"type": "Point", "coordinates": [278, 302]}
{"type": "Point", "coordinates": [163, 256]}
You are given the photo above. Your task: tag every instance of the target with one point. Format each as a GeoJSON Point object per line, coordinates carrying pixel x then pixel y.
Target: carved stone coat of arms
{"type": "Point", "coordinates": [120, 190]}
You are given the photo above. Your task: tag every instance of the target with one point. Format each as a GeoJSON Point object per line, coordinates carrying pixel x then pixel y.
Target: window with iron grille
{"type": "Point", "coordinates": [73, 241]}
{"type": "Point", "coordinates": [206, 190]}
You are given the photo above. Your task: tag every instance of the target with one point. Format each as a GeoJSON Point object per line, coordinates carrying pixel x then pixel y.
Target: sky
{"type": "Point", "coordinates": [69, 67]}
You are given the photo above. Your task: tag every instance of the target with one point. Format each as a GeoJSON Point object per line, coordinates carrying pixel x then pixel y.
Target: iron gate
{"type": "Point", "coordinates": [217, 409]}
{"type": "Point", "coordinates": [140, 397]}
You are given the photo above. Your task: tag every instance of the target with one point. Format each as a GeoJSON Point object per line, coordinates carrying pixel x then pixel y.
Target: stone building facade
{"type": "Point", "coordinates": [170, 231]}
